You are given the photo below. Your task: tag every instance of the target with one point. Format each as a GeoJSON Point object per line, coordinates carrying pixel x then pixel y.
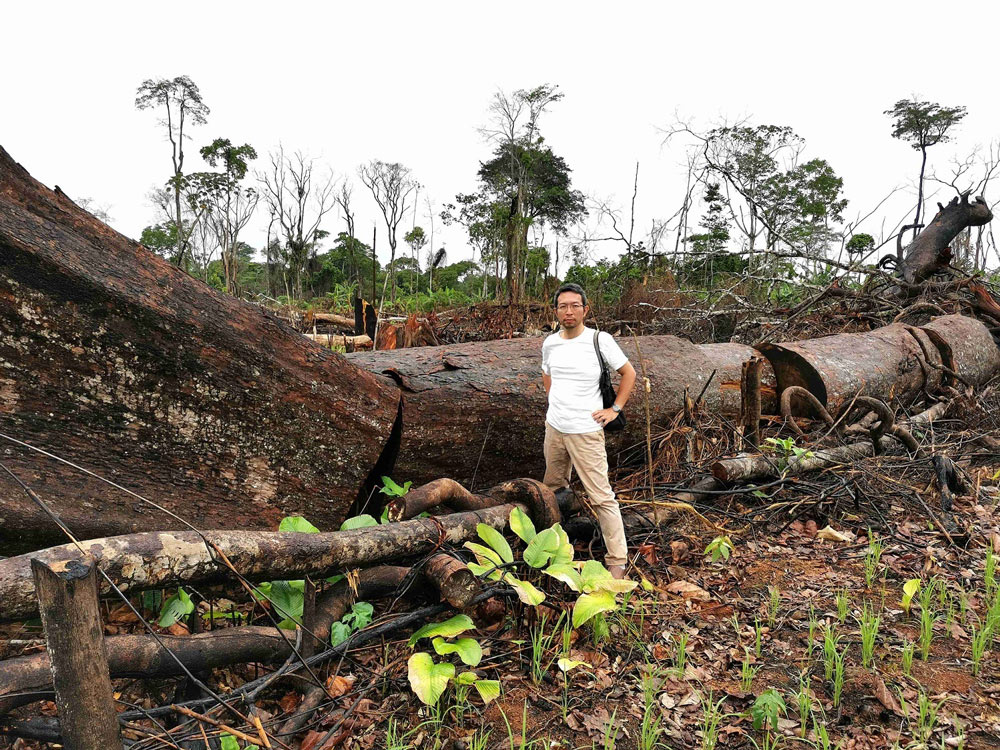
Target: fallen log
{"type": "Point", "coordinates": [340, 321]}
{"type": "Point", "coordinates": [212, 407]}
{"type": "Point", "coordinates": [488, 397]}
{"type": "Point", "coordinates": [330, 340]}
{"type": "Point", "coordinates": [164, 559]}
{"type": "Point", "coordinates": [27, 679]}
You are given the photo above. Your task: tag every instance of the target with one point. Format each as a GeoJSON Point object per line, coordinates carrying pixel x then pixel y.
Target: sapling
{"type": "Point", "coordinates": [843, 602]}
{"type": "Point", "coordinates": [873, 559]}
{"type": "Point", "coordinates": [830, 642]}
{"type": "Point", "coordinates": [906, 660]}
{"type": "Point", "coordinates": [980, 643]}
{"type": "Point", "coordinates": [838, 676]}
{"type": "Point", "coordinates": [747, 673]}
{"type": "Point", "coordinates": [869, 634]}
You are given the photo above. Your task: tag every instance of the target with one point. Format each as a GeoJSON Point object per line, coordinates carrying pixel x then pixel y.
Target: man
{"type": "Point", "coordinates": [574, 423]}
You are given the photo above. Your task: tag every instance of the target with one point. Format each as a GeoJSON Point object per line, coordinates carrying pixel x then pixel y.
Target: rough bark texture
{"type": "Point", "coordinates": [885, 363]}
{"type": "Point", "coordinates": [487, 398]}
{"type": "Point", "coordinates": [113, 358]}
{"type": "Point", "coordinates": [74, 637]}
{"type": "Point", "coordinates": [457, 584]}
{"type": "Point", "coordinates": [930, 253]}
{"type": "Point", "coordinates": [162, 559]}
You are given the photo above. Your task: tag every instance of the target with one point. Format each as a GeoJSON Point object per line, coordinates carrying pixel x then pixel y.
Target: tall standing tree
{"type": "Point", "coordinates": [229, 205]}
{"type": "Point", "coordinates": [416, 238]}
{"type": "Point", "coordinates": [525, 176]}
{"type": "Point", "coordinates": [181, 102]}
{"type": "Point", "coordinates": [391, 185]}
{"type": "Point", "coordinates": [298, 205]}
{"type": "Point", "coordinates": [922, 125]}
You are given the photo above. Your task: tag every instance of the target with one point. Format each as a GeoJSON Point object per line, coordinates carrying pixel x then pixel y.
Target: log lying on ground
{"type": "Point", "coordinates": [452, 495]}
{"type": "Point", "coordinates": [487, 397]}
{"type": "Point", "coordinates": [882, 363]}
{"type": "Point", "coordinates": [27, 679]}
{"type": "Point", "coordinates": [124, 363]}
{"type": "Point", "coordinates": [930, 253]}
{"type": "Point", "coordinates": [897, 363]}
{"type": "Point", "coordinates": [151, 560]}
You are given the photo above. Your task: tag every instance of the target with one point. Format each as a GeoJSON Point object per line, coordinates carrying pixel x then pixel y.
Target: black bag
{"type": "Point", "coordinates": [607, 390]}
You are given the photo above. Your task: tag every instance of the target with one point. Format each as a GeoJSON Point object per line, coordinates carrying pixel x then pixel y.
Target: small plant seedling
{"type": "Point", "coordinates": [747, 673]}
{"type": "Point", "coordinates": [869, 634]}
{"type": "Point", "coordinates": [680, 659]}
{"type": "Point", "coordinates": [711, 717]}
{"type": "Point", "coordinates": [758, 632]}
{"type": "Point", "coordinates": [765, 712]}
{"type": "Point", "coordinates": [980, 643]}
{"type": "Point", "coordinates": [830, 643]}
{"type": "Point", "coordinates": [838, 676]}
{"type": "Point", "coordinates": [910, 589]}
{"type": "Point", "coordinates": [774, 606]}
{"type": "Point", "coordinates": [719, 548]}
{"type": "Point", "coordinates": [873, 559]}
{"type": "Point", "coordinates": [906, 660]}
{"type": "Point", "coordinates": [843, 605]}
{"type": "Point", "coordinates": [803, 701]}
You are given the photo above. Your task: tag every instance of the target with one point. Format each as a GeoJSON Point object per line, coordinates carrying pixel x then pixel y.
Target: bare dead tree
{"type": "Point", "coordinates": [299, 206]}
{"type": "Point", "coordinates": [181, 102]}
{"type": "Point", "coordinates": [391, 185]}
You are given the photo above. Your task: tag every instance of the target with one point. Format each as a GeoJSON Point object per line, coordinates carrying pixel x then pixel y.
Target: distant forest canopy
{"type": "Point", "coordinates": [759, 212]}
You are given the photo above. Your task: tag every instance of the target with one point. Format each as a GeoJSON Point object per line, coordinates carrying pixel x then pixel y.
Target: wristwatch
{"type": "Point", "coordinates": [615, 408]}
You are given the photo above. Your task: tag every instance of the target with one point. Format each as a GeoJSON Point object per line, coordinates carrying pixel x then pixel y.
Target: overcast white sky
{"type": "Point", "coordinates": [412, 82]}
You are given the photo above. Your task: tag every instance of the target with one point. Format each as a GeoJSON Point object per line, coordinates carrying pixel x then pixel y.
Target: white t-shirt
{"type": "Point", "coordinates": [575, 393]}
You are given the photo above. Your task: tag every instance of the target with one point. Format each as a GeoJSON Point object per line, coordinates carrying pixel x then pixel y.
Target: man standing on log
{"type": "Point", "coordinates": [574, 423]}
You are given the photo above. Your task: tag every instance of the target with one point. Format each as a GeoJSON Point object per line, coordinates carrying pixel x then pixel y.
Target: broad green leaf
{"type": "Point", "coordinates": [360, 615]}
{"type": "Point", "coordinates": [466, 678]}
{"type": "Point", "coordinates": [287, 598]}
{"type": "Point", "coordinates": [389, 487]}
{"type": "Point", "coordinates": [449, 628]}
{"type": "Point", "coordinates": [564, 553]}
{"type": "Point", "coordinates": [489, 690]}
{"type": "Point", "coordinates": [589, 605]}
{"type": "Point", "coordinates": [615, 585]}
{"type": "Point", "coordinates": [565, 573]}
{"type": "Point", "coordinates": [646, 584]}
{"type": "Point", "coordinates": [542, 548]}
{"type": "Point", "coordinates": [526, 592]}
{"type": "Point", "coordinates": [174, 608]}
{"type": "Point", "coordinates": [228, 742]}
{"type": "Point", "coordinates": [468, 649]}
{"type": "Point", "coordinates": [483, 554]}
{"type": "Point", "coordinates": [427, 679]}
{"type": "Point", "coordinates": [358, 522]}
{"type": "Point", "coordinates": [152, 600]}
{"type": "Point", "coordinates": [495, 539]}
{"type": "Point", "coordinates": [297, 523]}
{"type": "Point", "coordinates": [910, 589]}
{"type": "Point", "coordinates": [594, 573]}
{"type": "Point", "coordinates": [521, 525]}
{"type": "Point", "coordinates": [340, 632]}
{"type": "Point", "coordinates": [489, 571]}
{"type": "Point", "coordinates": [767, 709]}
{"type": "Point", "coordinates": [566, 665]}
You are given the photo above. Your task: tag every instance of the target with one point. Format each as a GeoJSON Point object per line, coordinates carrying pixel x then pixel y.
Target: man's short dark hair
{"type": "Point", "coordinates": [576, 288]}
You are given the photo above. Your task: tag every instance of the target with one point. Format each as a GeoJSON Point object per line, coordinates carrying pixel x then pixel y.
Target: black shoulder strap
{"type": "Point", "coordinates": [600, 357]}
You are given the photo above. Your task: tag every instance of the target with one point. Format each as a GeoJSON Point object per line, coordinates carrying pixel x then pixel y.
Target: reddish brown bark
{"type": "Point", "coordinates": [113, 358]}
{"type": "Point", "coordinates": [476, 412]}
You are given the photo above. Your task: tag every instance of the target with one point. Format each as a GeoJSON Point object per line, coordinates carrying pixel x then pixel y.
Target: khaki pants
{"type": "Point", "coordinates": [586, 453]}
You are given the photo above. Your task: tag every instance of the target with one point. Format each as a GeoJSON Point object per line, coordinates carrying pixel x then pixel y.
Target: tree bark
{"type": "Point", "coordinates": [476, 412]}
{"type": "Point", "coordinates": [74, 637]}
{"type": "Point", "coordinates": [163, 559]}
{"type": "Point", "coordinates": [124, 364]}
{"type": "Point", "coordinates": [929, 253]}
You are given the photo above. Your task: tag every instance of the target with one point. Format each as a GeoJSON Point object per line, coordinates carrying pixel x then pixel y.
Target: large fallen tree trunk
{"type": "Point", "coordinates": [476, 412]}
{"type": "Point", "coordinates": [210, 406]}
{"type": "Point", "coordinates": [930, 253]}
{"type": "Point", "coordinates": [168, 558]}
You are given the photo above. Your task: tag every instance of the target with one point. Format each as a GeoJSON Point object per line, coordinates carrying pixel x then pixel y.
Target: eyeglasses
{"type": "Point", "coordinates": [569, 306]}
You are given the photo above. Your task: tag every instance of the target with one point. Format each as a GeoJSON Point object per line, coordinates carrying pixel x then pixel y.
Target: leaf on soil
{"type": "Point", "coordinates": [885, 697]}
{"type": "Point", "coordinates": [830, 534]}
{"type": "Point", "coordinates": [688, 590]}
